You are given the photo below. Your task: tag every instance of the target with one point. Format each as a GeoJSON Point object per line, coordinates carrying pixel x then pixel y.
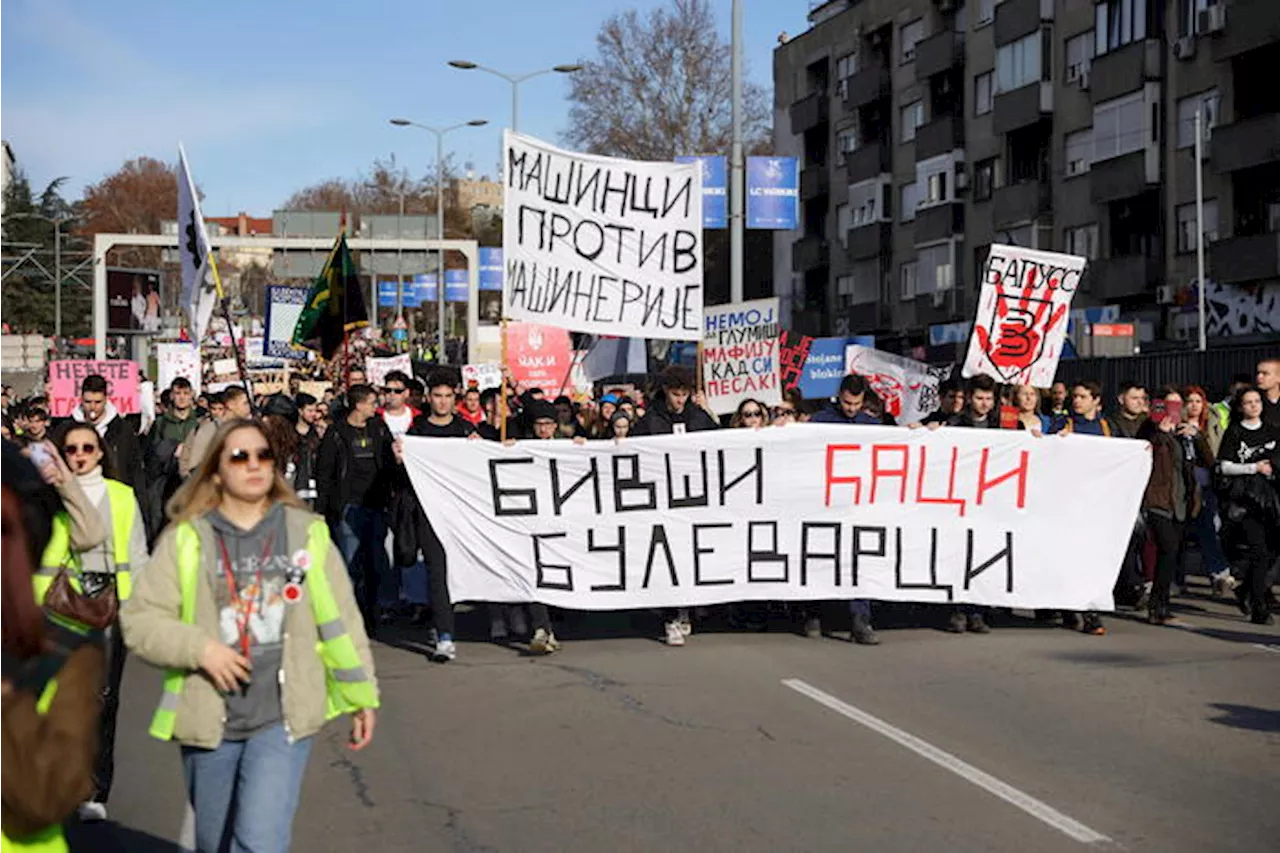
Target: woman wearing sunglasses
{"type": "Point", "coordinates": [94, 570]}
{"type": "Point", "coordinates": [751, 414]}
{"type": "Point", "coordinates": [248, 605]}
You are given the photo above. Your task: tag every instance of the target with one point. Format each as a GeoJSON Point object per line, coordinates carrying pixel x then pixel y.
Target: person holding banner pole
{"type": "Point", "coordinates": [674, 413]}
{"type": "Point", "coordinates": [848, 409]}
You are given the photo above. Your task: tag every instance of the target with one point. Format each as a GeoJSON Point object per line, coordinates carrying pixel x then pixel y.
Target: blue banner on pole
{"type": "Point", "coordinates": [715, 184]}
{"type": "Point", "coordinates": [773, 193]}
{"type": "Point", "coordinates": [424, 290]}
{"type": "Point", "coordinates": [456, 285]}
{"type": "Point", "coordinates": [386, 294]}
{"type": "Point", "coordinates": [823, 369]}
{"type": "Point", "coordinates": [491, 267]}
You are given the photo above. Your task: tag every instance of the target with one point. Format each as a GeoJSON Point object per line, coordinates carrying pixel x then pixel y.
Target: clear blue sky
{"type": "Point", "coordinates": [271, 96]}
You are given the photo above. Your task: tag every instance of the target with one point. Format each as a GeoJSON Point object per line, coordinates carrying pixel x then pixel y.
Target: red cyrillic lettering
{"type": "Point", "coordinates": [878, 472]}
{"type": "Point", "coordinates": [833, 480]}
{"type": "Point", "coordinates": [985, 485]}
{"type": "Point", "coordinates": [922, 498]}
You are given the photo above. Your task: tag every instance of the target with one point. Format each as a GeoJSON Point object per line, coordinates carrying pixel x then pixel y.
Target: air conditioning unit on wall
{"type": "Point", "coordinates": [1184, 48]}
{"type": "Point", "coordinates": [1212, 19]}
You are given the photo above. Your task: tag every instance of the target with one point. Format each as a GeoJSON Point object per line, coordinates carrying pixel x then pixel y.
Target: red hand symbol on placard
{"type": "Point", "coordinates": [1021, 324]}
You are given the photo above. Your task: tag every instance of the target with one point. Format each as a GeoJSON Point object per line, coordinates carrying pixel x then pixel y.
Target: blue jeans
{"type": "Point", "coordinates": [413, 584]}
{"type": "Point", "coordinates": [1211, 555]}
{"type": "Point", "coordinates": [362, 539]}
{"type": "Point", "coordinates": [244, 792]}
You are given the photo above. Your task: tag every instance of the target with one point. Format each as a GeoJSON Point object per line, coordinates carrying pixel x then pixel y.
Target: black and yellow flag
{"type": "Point", "coordinates": [335, 305]}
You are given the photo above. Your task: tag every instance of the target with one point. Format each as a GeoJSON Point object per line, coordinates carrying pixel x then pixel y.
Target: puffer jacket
{"type": "Point", "coordinates": [154, 631]}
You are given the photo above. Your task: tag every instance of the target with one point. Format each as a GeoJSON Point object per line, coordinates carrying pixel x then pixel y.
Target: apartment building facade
{"type": "Point", "coordinates": [930, 129]}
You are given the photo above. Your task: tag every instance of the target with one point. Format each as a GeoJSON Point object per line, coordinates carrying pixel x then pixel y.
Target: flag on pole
{"type": "Point", "coordinates": [199, 294]}
{"type": "Point", "coordinates": [334, 306]}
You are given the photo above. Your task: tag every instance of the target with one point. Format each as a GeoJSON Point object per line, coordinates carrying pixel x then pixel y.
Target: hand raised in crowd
{"type": "Point", "coordinates": [1188, 429]}
{"type": "Point", "coordinates": [1168, 424]}
{"type": "Point", "coordinates": [475, 436]}
{"type": "Point", "coordinates": [510, 442]}
{"type": "Point", "coordinates": [53, 470]}
{"type": "Point", "coordinates": [577, 439]}
{"type": "Point", "coordinates": [1264, 467]}
{"type": "Point", "coordinates": [362, 724]}
{"type": "Point", "coordinates": [226, 667]}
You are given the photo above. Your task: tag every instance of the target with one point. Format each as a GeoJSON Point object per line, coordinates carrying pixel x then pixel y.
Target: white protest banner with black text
{"type": "Point", "coordinates": [1022, 315]}
{"type": "Point", "coordinates": [378, 368]}
{"type": "Point", "coordinates": [907, 388]}
{"type": "Point", "coordinates": [740, 354]}
{"type": "Point", "coordinates": [804, 512]}
{"type": "Point", "coordinates": [601, 245]}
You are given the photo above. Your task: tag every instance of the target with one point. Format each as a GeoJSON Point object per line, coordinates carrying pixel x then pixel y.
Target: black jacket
{"type": "Point", "coordinates": [966, 418]}
{"type": "Point", "coordinates": [660, 420]}
{"type": "Point", "coordinates": [333, 459]}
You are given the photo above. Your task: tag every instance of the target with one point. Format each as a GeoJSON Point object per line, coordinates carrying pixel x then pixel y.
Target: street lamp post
{"type": "Point", "coordinates": [515, 80]}
{"type": "Point", "coordinates": [439, 134]}
{"type": "Point", "coordinates": [57, 223]}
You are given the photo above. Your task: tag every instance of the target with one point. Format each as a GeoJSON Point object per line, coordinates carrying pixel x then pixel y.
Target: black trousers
{"type": "Point", "coordinates": [1254, 537]}
{"type": "Point", "coordinates": [104, 766]}
{"type": "Point", "coordinates": [1168, 534]}
{"type": "Point", "coordinates": [437, 576]}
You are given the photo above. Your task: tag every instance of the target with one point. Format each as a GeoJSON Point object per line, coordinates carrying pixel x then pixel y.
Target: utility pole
{"type": "Point", "coordinates": [736, 183]}
{"type": "Point", "coordinates": [1200, 282]}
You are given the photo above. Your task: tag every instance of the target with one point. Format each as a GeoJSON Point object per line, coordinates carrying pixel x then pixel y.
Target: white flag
{"type": "Point", "coordinates": [198, 293]}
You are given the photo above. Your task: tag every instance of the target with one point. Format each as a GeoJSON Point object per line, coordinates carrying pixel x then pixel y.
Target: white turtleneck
{"type": "Point", "coordinates": [94, 485]}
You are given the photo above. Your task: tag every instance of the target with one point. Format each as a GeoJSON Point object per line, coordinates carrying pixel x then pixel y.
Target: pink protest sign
{"type": "Point", "coordinates": [65, 378]}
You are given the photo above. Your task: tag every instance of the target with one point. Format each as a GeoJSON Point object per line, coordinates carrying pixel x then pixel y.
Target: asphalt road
{"type": "Point", "coordinates": [1028, 739]}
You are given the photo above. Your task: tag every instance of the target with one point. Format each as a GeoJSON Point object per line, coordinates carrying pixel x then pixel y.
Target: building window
{"type": "Point", "coordinates": [1207, 102]}
{"type": "Point", "coordinates": [908, 35]}
{"type": "Point", "coordinates": [1079, 151]}
{"type": "Point", "coordinates": [986, 12]}
{"type": "Point", "coordinates": [1082, 241]}
{"type": "Point", "coordinates": [844, 285]}
{"type": "Point", "coordinates": [866, 203]}
{"type": "Point", "coordinates": [1018, 63]}
{"type": "Point", "coordinates": [986, 178]}
{"type": "Point", "coordinates": [1117, 23]}
{"type": "Point", "coordinates": [846, 67]}
{"type": "Point", "coordinates": [1079, 56]}
{"type": "Point", "coordinates": [910, 194]}
{"type": "Point", "coordinates": [933, 269]}
{"type": "Point", "coordinates": [907, 280]}
{"type": "Point", "coordinates": [1187, 224]}
{"type": "Point", "coordinates": [844, 221]}
{"type": "Point", "coordinates": [933, 177]}
{"type": "Point", "coordinates": [1119, 127]}
{"type": "Point", "coordinates": [1189, 15]}
{"type": "Point", "coordinates": [982, 94]}
{"type": "Point", "coordinates": [846, 143]}
{"type": "Point", "coordinates": [912, 117]}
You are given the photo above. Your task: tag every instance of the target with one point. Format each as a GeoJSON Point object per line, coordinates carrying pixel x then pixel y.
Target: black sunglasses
{"type": "Point", "coordinates": [240, 456]}
{"type": "Point", "coordinates": [390, 390]}
{"type": "Point", "coordinates": [780, 411]}
{"type": "Point", "coordinates": [73, 449]}
{"type": "Point", "coordinates": [753, 413]}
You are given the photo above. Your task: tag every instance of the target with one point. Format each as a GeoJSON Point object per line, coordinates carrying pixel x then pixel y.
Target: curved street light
{"type": "Point", "coordinates": [515, 80]}
{"type": "Point", "coordinates": [439, 133]}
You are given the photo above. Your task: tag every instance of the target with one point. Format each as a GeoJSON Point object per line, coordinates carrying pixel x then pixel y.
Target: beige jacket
{"type": "Point", "coordinates": [195, 447]}
{"type": "Point", "coordinates": [86, 530]}
{"type": "Point", "coordinates": [154, 631]}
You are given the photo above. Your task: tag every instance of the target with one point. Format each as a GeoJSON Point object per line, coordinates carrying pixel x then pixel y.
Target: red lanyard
{"type": "Point", "coordinates": [244, 610]}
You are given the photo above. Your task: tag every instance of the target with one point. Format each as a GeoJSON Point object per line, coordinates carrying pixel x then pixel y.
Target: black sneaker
{"type": "Point", "coordinates": [863, 634]}
{"type": "Point", "coordinates": [813, 629]}
{"type": "Point", "coordinates": [978, 625]}
{"type": "Point", "coordinates": [1093, 625]}
{"type": "Point", "coordinates": [1071, 621]}
{"type": "Point", "coordinates": [956, 624]}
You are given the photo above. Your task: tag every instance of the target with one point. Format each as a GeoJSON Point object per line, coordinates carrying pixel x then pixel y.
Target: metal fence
{"type": "Point", "coordinates": [1213, 368]}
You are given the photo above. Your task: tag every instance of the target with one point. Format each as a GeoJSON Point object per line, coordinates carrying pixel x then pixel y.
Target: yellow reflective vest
{"type": "Point", "coordinates": [347, 685]}
{"type": "Point", "coordinates": [58, 552]}
{"type": "Point", "coordinates": [49, 839]}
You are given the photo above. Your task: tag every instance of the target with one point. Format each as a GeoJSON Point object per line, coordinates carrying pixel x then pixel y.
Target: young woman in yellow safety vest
{"type": "Point", "coordinates": [248, 605]}
{"type": "Point", "coordinates": [51, 686]}
{"type": "Point", "coordinates": [114, 561]}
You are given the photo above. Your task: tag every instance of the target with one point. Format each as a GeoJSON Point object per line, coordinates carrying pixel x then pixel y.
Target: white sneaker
{"type": "Point", "coordinates": [91, 812]}
{"type": "Point", "coordinates": [675, 634]}
{"type": "Point", "coordinates": [685, 623]}
{"type": "Point", "coordinates": [543, 642]}
{"type": "Point", "coordinates": [445, 651]}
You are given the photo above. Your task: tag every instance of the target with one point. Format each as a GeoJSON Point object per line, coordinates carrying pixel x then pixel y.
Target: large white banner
{"type": "Point", "coordinates": [376, 369]}
{"type": "Point", "coordinates": [1022, 315]}
{"type": "Point", "coordinates": [740, 354]}
{"type": "Point", "coordinates": [805, 512]}
{"type": "Point", "coordinates": [602, 245]}
{"type": "Point", "coordinates": [909, 388]}
{"type": "Point", "coordinates": [178, 359]}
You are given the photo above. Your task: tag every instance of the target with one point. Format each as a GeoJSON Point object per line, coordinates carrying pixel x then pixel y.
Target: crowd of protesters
{"type": "Point", "coordinates": [255, 496]}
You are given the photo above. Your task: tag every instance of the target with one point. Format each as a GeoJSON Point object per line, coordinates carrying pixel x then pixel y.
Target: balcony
{"type": "Point", "coordinates": [864, 317]}
{"type": "Point", "coordinates": [1128, 275]}
{"type": "Point", "coordinates": [938, 222]}
{"type": "Point", "coordinates": [1124, 70]}
{"type": "Point", "coordinates": [939, 52]}
{"type": "Point", "coordinates": [809, 112]}
{"type": "Point", "coordinates": [809, 253]}
{"type": "Point", "coordinates": [872, 159]}
{"type": "Point", "coordinates": [1023, 106]}
{"type": "Point", "coordinates": [1245, 144]}
{"type": "Point", "coordinates": [869, 241]}
{"type": "Point", "coordinates": [1118, 177]}
{"type": "Point", "coordinates": [1018, 18]}
{"type": "Point", "coordinates": [1250, 24]}
{"type": "Point", "coordinates": [941, 136]}
{"type": "Point", "coordinates": [814, 182]}
{"type": "Point", "coordinates": [869, 84]}
{"type": "Point", "coordinates": [1019, 203]}
{"type": "Point", "coordinates": [1243, 259]}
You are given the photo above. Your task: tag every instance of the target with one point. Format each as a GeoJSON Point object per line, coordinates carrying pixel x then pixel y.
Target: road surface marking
{"type": "Point", "coordinates": [1029, 804]}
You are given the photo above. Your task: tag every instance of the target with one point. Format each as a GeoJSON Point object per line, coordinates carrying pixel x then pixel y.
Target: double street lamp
{"type": "Point", "coordinates": [439, 133]}
{"type": "Point", "coordinates": [515, 80]}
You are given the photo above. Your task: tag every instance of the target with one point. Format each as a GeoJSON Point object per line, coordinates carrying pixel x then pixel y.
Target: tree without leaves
{"type": "Point", "coordinates": [660, 87]}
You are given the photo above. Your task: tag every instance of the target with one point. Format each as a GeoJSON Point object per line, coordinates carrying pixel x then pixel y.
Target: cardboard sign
{"type": "Point", "coordinates": [1021, 321]}
{"type": "Point", "coordinates": [65, 378]}
{"type": "Point", "coordinates": [538, 356]}
{"type": "Point", "coordinates": [178, 359]}
{"type": "Point", "coordinates": [809, 512]}
{"type": "Point", "coordinates": [485, 376]}
{"type": "Point", "coordinates": [740, 356]}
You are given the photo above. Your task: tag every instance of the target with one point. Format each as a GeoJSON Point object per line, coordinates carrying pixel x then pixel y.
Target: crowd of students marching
{"type": "Point", "coordinates": [186, 541]}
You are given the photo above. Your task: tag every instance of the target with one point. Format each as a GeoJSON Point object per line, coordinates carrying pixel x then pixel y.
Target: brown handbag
{"type": "Point", "coordinates": [96, 610]}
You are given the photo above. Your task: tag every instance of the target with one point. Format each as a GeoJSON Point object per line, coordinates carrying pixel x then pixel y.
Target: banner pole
{"type": "Point", "coordinates": [697, 370]}
{"type": "Point", "coordinates": [502, 394]}
{"type": "Point", "coordinates": [231, 330]}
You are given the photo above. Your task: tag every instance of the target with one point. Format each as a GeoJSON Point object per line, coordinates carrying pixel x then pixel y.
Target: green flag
{"type": "Point", "coordinates": [334, 306]}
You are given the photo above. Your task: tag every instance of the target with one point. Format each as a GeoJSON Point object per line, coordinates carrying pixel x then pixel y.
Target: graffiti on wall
{"type": "Point", "coordinates": [1231, 311]}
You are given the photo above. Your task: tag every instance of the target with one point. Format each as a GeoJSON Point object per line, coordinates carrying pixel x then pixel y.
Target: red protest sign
{"type": "Point", "coordinates": [539, 356]}
{"type": "Point", "coordinates": [65, 378]}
